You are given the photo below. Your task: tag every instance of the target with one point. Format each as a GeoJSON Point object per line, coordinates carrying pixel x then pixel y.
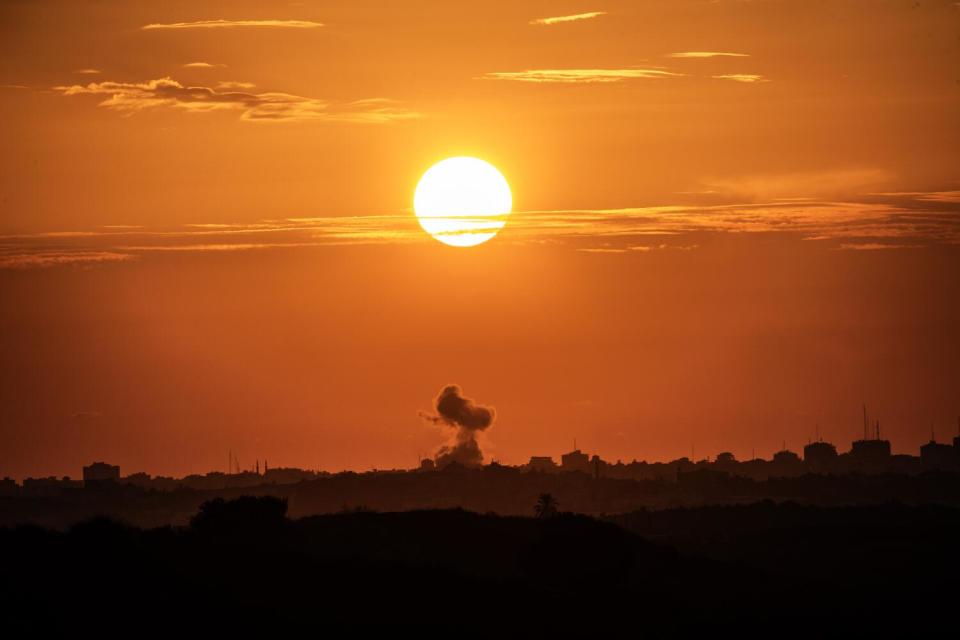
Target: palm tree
{"type": "Point", "coordinates": [546, 506]}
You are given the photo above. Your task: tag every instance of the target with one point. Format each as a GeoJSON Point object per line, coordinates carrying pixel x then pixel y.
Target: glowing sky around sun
{"type": "Point", "coordinates": [719, 223]}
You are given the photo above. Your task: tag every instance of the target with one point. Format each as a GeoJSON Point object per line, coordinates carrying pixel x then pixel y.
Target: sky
{"type": "Point", "coordinates": [734, 222]}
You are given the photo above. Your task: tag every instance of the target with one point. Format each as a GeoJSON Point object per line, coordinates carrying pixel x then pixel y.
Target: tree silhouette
{"type": "Point", "coordinates": [546, 506]}
{"type": "Point", "coordinates": [243, 514]}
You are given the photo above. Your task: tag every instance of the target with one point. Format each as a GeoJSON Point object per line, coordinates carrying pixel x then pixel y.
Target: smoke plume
{"type": "Point", "coordinates": [455, 410]}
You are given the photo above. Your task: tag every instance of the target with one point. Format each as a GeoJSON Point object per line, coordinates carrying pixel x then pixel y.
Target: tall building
{"type": "Point", "coordinates": [576, 460]}
{"type": "Point", "coordinates": [870, 454]}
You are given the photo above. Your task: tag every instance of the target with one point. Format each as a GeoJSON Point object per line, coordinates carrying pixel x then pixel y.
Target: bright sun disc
{"type": "Point", "coordinates": [462, 201]}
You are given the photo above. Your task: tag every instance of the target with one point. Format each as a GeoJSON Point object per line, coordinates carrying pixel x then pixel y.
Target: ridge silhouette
{"type": "Point", "coordinates": [243, 566]}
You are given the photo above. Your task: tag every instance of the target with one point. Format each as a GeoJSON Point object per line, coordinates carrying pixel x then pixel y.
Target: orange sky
{"type": "Point", "coordinates": [733, 221]}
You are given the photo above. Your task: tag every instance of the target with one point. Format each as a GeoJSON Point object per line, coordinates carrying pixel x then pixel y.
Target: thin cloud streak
{"type": "Point", "coordinates": [243, 246]}
{"type": "Point", "coordinates": [874, 246]}
{"type": "Point", "coordinates": [571, 18]}
{"type": "Point", "coordinates": [129, 98]}
{"type": "Point", "coordinates": [950, 197]}
{"type": "Point", "coordinates": [642, 248]}
{"type": "Point", "coordinates": [233, 24]}
{"type": "Point", "coordinates": [578, 76]}
{"type": "Point", "coordinates": [45, 259]}
{"type": "Point", "coordinates": [824, 185]}
{"type": "Point", "coordinates": [203, 65]}
{"type": "Point", "coordinates": [742, 77]}
{"type": "Point", "coordinates": [707, 54]}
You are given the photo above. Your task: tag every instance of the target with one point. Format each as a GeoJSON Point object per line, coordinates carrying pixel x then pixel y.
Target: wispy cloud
{"type": "Point", "coordinates": [42, 259]}
{"type": "Point", "coordinates": [875, 246]}
{"type": "Point", "coordinates": [641, 248]}
{"type": "Point", "coordinates": [741, 77]}
{"type": "Point", "coordinates": [220, 246]}
{"type": "Point", "coordinates": [578, 76]}
{"type": "Point", "coordinates": [877, 223]}
{"type": "Point", "coordinates": [828, 184]}
{"type": "Point", "coordinates": [121, 243]}
{"type": "Point", "coordinates": [907, 224]}
{"type": "Point", "coordinates": [128, 98]}
{"type": "Point", "coordinates": [571, 18]}
{"type": "Point", "coordinates": [88, 72]}
{"type": "Point", "coordinates": [951, 197]}
{"type": "Point", "coordinates": [707, 54]}
{"type": "Point", "coordinates": [232, 24]}
{"type": "Point", "coordinates": [203, 65]}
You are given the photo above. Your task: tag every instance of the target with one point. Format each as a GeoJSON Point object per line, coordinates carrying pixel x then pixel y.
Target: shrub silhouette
{"type": "Point", "coordinates": [244, 514]}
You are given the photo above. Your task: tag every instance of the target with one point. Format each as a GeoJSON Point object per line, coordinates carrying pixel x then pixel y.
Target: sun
{"type": "Point", "coordinates": [462, 201]}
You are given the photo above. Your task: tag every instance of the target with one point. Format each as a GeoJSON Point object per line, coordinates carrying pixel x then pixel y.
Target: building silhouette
{"type": "Point", "coordinates": [937, 455]}
{"type": "Point", "coordinates": [99, 473]}
{"type": "Point", "coordinates": [820, 456]}
{"type": "Point", "coordinates": [576, 460]}
{"type": "Point", "coordinates": [8, 487]}
{"type": "Point", "coordinates": [868, 455]}
{"type": "Point", "coordinates": [544, 464]}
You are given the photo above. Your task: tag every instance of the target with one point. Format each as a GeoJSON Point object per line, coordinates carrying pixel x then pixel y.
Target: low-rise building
{"type": "Point", "coordinates": [99, 473]}
{"type": "Point", "coordinates": [543, 464]}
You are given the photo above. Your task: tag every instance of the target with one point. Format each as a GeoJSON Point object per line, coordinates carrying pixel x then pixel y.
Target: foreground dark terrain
{"type": "Point", "coordinates": [504, 490]}
{"type": "Point", "coordinates": [781, 570]}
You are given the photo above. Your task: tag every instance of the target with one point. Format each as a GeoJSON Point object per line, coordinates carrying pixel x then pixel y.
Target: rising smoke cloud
{"type": "Point", "coordinates": [455, 410]}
